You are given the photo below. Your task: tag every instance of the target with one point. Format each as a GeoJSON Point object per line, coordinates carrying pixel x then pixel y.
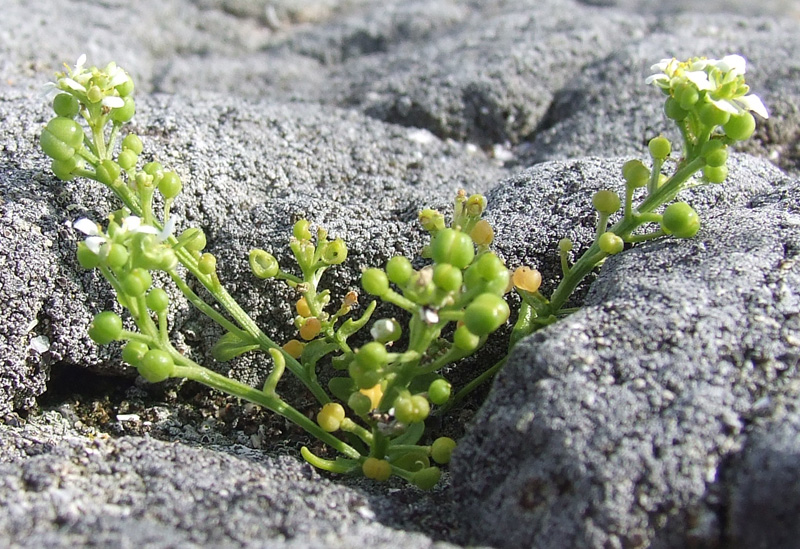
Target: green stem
{"type": "Point", "coordinates": [193, 371]}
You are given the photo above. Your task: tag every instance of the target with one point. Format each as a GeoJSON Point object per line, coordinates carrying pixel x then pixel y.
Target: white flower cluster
{"type": "Point", "coordinates": [722, 81]}
{"type": "Point", "coordinates": [95, 85]}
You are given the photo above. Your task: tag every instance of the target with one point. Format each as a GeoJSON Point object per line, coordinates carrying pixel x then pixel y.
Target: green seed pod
{"type": "Point", "coordinates": [565, 245]}
{"type": "Point", "coordinates": [465, 340]}
{"type": "Point", "coordinates": [194, 240]}
{"type": "Point", "coordinates": [360, 403]}
{"type": "Point", "coordinates": [125, 112]}
{"type": "Point", "coordinates": [372, 355]}
{"type": "Point", "coordinates": [334, 252]}
{"type": "Point", "coordinates": [63, 169]}
{"type": "Point", "coordinates": [635, 173]}
{"type": "Point", "coordinates": [126, 88]}
{"type": "Point", "coordinates": [170, 185]}
{"type": "Point", "coordinates": [108, 171]}
{"type": "Point", "coordinates": [65, 104]}
{"type": "Point", "coordinates": [133, 352]}
{"type": "Point", "coordinates": [610, 243]}
{"type": "Point", "coordinates": [86, 257]}
{"type": "Point", "coordinates": [386, 330]}
{"type": "Point", "coordinates": [712, 116]}
{"type": "Point", "coordinates": [375, 282]}
{"type": "Point", "coordinates": [157, 300]}
{"type": "Point", "coordinates": [606, 201]}
{"type": "Point", "coordinates": [715, 174]}
{"type": "Point", "coordinates": [681, 220]}
{"type": "Point", "coordinates": [717, 158]}
{"type": "Point", "coordinates": [152, 168]}
{"type": "Point", "coordinates": [660, 147]}
{"type": "Point", "coordinates": [740, 126]}
{"type": "Point", "coordinates": [673, 110]}
{"type": "Point", "coordinates": [117, 256]}
{"type": "Point", "coordinates": [376, 469]}
{"type": "Point", "coordinates": [447, 277]}
{"type": "Point", "coordinates": [105, 328]}
{"type": "Point", "coordinates": [364, 377]}
{"type": "Point", "coordinates": [156, 366]}
{"type": "Point", "coordinates": [452, 246]}
{"type": "Point", "coordinates": [137, 282]}
{"type": "Point", "coordinates": [410, 409]}
{"type": "Point", "coordinates": [263, 264]}
{"type": "Point", "coordinates": [442, 449]}
{"type": "Point", "coordinates": [485, 314]}
{"type": "Point", "coordinates": [426, 479]}
{"type": "Point", "coordinates": [439, 391]}
{"type": "Point", "coordinates": [399, 270]}
{"type": "Point", "coordinates": [689, 95]}
{"type": "Point", "coordinates": [330, 417]}
{"type": "Point", "coordinates": [127, 159]}
{"type": "Point", "coordinates": [61, 137]}
{"type": "Point", "coordinates": [132, 143]}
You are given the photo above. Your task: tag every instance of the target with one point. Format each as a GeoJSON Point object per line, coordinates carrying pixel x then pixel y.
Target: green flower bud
{"type": "Point", "coordinates": [86, 257]}
{"type": "Point", "coordinates": [194, 240]}
{"type": "Point", "coordinates": [156, 366]}
{"type": "Point", "coordinates": [681, 220]}
{"type": "Point", "coordinates": [740, 126]}
{"type": "Point", "coordinates": [301, 231]}
{"type": "Point", "coordinates": [606, 201]}
{"type": "Point", "coordinates": [152, 168]}
{"type": "Point", "coordinates": [94, 94]}
{"type": "Point", "coordinates": [610, 243]}
{"type": "Point", "coordinates": [476, 205]}
{"type": "Point", "coordinates": [431, 220]}
{"type": "Point", "coordinates": [117, 256]}
{"type": "Point", "coordinates": [105, 328]}
{"type": "Point", "coordinates": [132, 143]}
{"type": "Point", "coordinates": [65, 104]}
{"type": "Point", "coordinates": [263, 264]}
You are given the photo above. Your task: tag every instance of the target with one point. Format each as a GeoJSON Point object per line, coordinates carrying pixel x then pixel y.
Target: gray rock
{"type": "Point", "coordinates": [613, 427]}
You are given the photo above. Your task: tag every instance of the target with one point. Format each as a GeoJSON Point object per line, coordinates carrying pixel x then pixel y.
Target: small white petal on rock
{"type": "Point", "coordinates": [39, 344]}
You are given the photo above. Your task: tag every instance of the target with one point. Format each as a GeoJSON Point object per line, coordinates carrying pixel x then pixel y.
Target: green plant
{"type": "Point", "coordinates": [374, 408]}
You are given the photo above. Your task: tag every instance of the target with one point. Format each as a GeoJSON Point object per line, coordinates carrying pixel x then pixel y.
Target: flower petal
{"type": "Point", "coordinates": [725, 105]}
{"type": "Point", "coordinates": [732, 63]}
{"type": "Point", "coordinates": [656, 78]}
{"type": "Point", "coordinates": [72, 84]}
{"type": "Point", "coordinates": [699, 79]}
{"type": "Point", "coordinates": [166, 232]}
{"type": "Point", "coordinates": [753, 103]}
{"type": "Point", "coordinates": [86, 226]}
{"type": "Point", "coordinates": [113, 102]}
{"type": "Point", "coordinates": [94, 243]}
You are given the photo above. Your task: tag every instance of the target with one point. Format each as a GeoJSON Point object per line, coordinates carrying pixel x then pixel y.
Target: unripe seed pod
{"type": "Point", "coordinates": [606, 201]}
{"type": "Point", "coordinates": [681, 220]}
{"type": "Point", "coordinates": [465, 340]}
{"type": "Point", "coordinates": [660, 147]}
{"type": "Point", "coordinates": [673, 109]}
{"type": "Point", "coordinates": [106, 327]}
{"type": "Point", "coordinates": [117, 255]}
{"type": "Point", "coordinates": [127, 159]}
{"type": "Point", "coordinates": [137, 282]}
{"type": "Point", "coordinates": [330, 417]}
{"type": "Point", "coordinates": [360, 403]}
{"type": "Point", "coordinates": [717, 158]}
{"type": "Point", "coordinates": [635, 173]}
{"type": "Point", "coordinates": [334, 252]}
{"type": "Point", "coordinates": [427, 478]}
{"type": "Point", "coordinates": [157, 300]}
{"type": "Point", "coordinates": [263, 264]}
{"type": "Point", "coordinates": [485, 314]}
{"type": "Point", "coordinates": [441, 449]}
{"type": "Point", "coordinates": [125, 112]}
{"type": "Point", "coordinates": [375, 282]}
{"type": "Point", "coordinates": [302, 307]}
{"type": "Point", "coordinates": [61, 137]}
{"type": "Point", "coordinates": [740, 126]}
{"type": "Point", "coordinates": [439, 391]}
{"type": "Point", "coordinates": [399, 270]}
{"type": "Point", "coordinates": [447, 277]}
{"type": "Point", "coordinates": [132, 143]}
{"type": "Point", "coordinates": [715, 174]}
{"type": "Point", "coordinates": [65, 104]}
{"type": "Point", "coordinates": [482, 233]}
{"type": "Point", "coordinates": [170, 185]}
{"type": "Point", "coordinates": [301, 230]}
{"type": "Point", "coordinates": [386, 330]}
{"type": "Point", "coordinates": [126, 88]}
{"type": "Point", "coordinates": [610, 243]}
{"type": "Point", "coordinates": [207, 264]}
{"type": "Point", "coordinates": [86, 257]}
{"type": "Point", "coordinates": [452, 246]}
{"type": "Point", "coordinates": [712, 116]}
{"type": "Point", "coordinates": [156, 366]}
{"type": "Point", "coordinates": [134, 351]}
{"type": "Point", "coordinates": [376, 469]}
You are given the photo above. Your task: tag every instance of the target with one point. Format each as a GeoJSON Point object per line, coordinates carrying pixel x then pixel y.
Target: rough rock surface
{"type": "Point", "coordinates": [661, 414]}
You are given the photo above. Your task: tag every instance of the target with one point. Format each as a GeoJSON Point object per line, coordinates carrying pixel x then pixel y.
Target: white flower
{"type": "Point", "coordinates": [96, 238]}
{"type": "Point", "coordinates": [131, 224]}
